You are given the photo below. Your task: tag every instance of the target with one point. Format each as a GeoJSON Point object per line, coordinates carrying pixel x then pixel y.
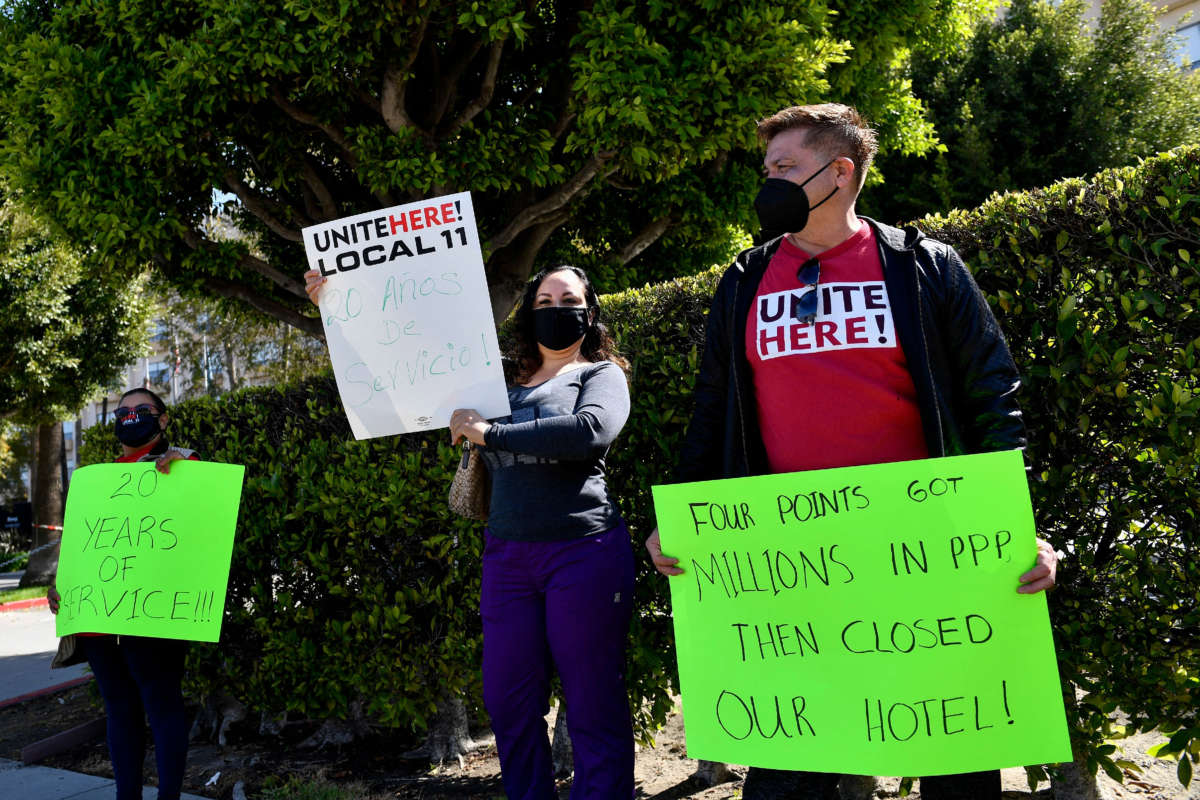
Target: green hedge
{"type": "Point", "coordinates": [351, 579]}
{"type": "Point", "coordinates": [1096, 285]}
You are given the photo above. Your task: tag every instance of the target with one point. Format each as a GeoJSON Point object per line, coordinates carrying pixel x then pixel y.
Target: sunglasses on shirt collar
{"type": "Point", "coordinates": [804, 309]}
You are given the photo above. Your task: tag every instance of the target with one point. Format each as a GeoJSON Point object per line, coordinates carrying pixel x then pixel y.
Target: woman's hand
{"type": "Point", "coordinates": [465, 423]}
{"type": "Point", "coordinates": [53, 599]}
{"type": "Point", "coordinates": [313, 281]}
{"type": "Point", "coordinates": [163, 462]}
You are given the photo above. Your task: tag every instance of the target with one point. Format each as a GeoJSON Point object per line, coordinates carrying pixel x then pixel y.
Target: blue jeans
{"type": "Point", "coordinates": [566, 603]}
{"type": "Point", "coordinates": [141, 677]}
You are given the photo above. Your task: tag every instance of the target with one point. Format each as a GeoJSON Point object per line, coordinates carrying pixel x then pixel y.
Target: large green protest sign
{"type": "Point", "coordinates": [148, 554]}
{"type": "Point", "coordinates": [864, 620]}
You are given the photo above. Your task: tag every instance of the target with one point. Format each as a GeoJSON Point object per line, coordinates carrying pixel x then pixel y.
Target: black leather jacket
{"type": "Point", "coordinates": [965, 378]}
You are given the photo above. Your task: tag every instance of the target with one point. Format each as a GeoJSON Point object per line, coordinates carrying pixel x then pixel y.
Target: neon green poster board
{"type": "Point", "coordinates": [864, 620]}
{"type": "Point", "coordinates": [147, 554]}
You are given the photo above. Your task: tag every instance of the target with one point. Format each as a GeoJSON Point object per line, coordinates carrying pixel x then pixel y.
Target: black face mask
{"type": "Point", "coordinates": [136, 429]}
{"type": "Point", "coordinates": [783, 207]}
{"type": "Point", "coordinates": [559, 327]}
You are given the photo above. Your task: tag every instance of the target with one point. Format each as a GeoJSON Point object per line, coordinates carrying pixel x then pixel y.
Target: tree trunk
{"type": "Point", "coordinates": [713, 773]}
{"type": "Point", "coordinates": [47, 491]}
{"type": "Point", "coordinates": [1072, 781]}
{"type": "Point", "coordinates": [857, 787]}
{"type": "Point", "coordinates": [231, 369]}
{"type": "Point", "coordinates": [510, 268]}
{"type": "Point", "coordinates": [449, 734]}
{"type": "Point", "coordinates": [339, 732]}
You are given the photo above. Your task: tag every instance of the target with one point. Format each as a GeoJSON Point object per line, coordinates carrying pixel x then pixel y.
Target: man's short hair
{"type": "Point", "coordinates": [832, 128]}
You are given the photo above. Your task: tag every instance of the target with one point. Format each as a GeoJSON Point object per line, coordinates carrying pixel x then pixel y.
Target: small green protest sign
{"type": "Point", "coordinates": [148, 554]}
{"type": "Point", "coordinates": [864, 620]}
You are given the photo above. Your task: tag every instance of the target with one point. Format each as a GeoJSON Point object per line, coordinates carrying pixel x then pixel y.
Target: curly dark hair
{"type": "Point", "coordinates": [598, 344]}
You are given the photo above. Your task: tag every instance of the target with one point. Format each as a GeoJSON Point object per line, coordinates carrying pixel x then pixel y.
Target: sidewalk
{"type": "Point", "coordinates": [27, 645]}
{"type": "Point", "coordinates": [46, 783]}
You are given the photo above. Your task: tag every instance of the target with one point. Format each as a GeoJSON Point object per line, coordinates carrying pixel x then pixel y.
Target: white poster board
{"type": "Point", "coordinates": [407, 317]}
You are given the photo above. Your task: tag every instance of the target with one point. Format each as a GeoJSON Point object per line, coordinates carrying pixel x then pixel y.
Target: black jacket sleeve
{"type": "Point", "coordinates": [702, 455]}
{"type": "Point", "coordinates": [985, 381]}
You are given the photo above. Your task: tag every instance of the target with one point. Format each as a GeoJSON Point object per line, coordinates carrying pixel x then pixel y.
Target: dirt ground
{"type": "Point", "coordinates": [376, 768]}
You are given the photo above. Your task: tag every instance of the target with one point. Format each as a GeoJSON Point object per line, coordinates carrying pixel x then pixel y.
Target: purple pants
{"type": "Point", "coordinates": [566, 603]}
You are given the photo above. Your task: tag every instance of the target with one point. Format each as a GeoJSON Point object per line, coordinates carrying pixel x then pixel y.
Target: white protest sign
{"type": "Point", "coordinates": [407, 317]}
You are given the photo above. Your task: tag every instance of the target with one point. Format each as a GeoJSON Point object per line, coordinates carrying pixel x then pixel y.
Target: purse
{"type": "Point", "coordinates": [471, 490]}
{"type": "Point", "coordinates": [69, 653]}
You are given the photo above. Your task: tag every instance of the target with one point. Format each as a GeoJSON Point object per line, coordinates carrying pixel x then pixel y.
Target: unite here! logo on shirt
{"type": "Point", "coordinates": [849, 316]}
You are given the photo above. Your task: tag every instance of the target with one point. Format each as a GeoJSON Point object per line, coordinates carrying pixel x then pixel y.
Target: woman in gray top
{"type": "Point", "coordinates": [557, 564]}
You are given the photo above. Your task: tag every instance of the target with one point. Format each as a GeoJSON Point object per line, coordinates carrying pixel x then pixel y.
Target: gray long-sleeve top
{"type": "Point", "coordinates": [547, 460]}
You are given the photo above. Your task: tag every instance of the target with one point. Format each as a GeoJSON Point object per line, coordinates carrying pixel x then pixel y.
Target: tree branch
{"type": "Point", "coordinates": [310, 202]}
{"type": "Point", "coordinates": [257, 204]}
{"type": "Point", "coordinates": [448, 86]}
{"type": "Point", "coordinates": [240, 291]}
{"type": "Point", "coordinates": [313, 180]}
{"type": "Point", "coordinates": [335, 134]}
{"type": "Point", "coordinates": [197, 241]}
{"type": "Point", "coordinates": [508, 271]}
{"type": "Point", "coordinates": [367, 99]}
{"type": "Point", "coordinates": [539, 211]}
{"type": "Point", "coordinates": [562, 124]}
{"type": "Point", "coordinates": [395, 84]}
{"type": "Point", "coordinates": [643, 239]}
{"type": "Point", "coordinates": [486, 89]}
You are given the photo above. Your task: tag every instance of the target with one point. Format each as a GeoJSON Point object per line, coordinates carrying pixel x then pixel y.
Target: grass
{"type": "Point", "coordinates": [21, 562]}
{"type": "Point", "coordinates": [22, 594]}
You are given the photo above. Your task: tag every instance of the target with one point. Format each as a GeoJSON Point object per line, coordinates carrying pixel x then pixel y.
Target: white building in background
{"type": "Point", "coordinates": [1186, 12]}
{"type": "Point", "coordinates": [1180, 15]}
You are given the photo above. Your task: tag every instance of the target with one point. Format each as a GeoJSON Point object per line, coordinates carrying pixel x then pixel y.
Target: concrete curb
{"type": "Point", "coordinates": [12, 701]}
{"type": "Point", "coordinates": [22, 605]}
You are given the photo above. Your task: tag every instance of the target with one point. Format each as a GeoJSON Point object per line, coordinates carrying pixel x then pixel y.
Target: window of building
{"type": "Point", "coordinates": [160, 331]}
{"type": "Point", "coordinates": [1189, 37]}
{"type": "Point", "coordinates": [160, 372]}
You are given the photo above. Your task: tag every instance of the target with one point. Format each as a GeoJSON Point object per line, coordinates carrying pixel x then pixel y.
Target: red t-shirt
{"type": "Point", "coordinates": [837, 392]}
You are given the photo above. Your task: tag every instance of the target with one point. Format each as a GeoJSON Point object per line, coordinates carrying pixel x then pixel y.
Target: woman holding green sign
{"type": "Point", "coordinates": [138, 676]}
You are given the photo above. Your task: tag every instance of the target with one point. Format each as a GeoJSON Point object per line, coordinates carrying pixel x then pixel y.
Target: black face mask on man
{"type": "Point", "coordinates": [783, 207]}
{"type": "Point", "coordinates": [137, 427]}
{"type": "Point", "coordinates": [559, 327]}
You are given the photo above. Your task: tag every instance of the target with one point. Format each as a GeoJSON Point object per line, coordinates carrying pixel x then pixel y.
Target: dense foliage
{"type": "Point", "coordinates": [67, 328]}
{"type": "Point", "coordinates": [1037, 94]}
{"type": "Point", "coordinates": [1097, 287]}
{"type": "Point", "coordinates": [352, 580]}
{"type": "Point", "coordinates": [602, 126]}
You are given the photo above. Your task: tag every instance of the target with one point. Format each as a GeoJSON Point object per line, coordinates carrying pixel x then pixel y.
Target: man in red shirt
{"type": "Point", "coordinates": [838, 342]}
